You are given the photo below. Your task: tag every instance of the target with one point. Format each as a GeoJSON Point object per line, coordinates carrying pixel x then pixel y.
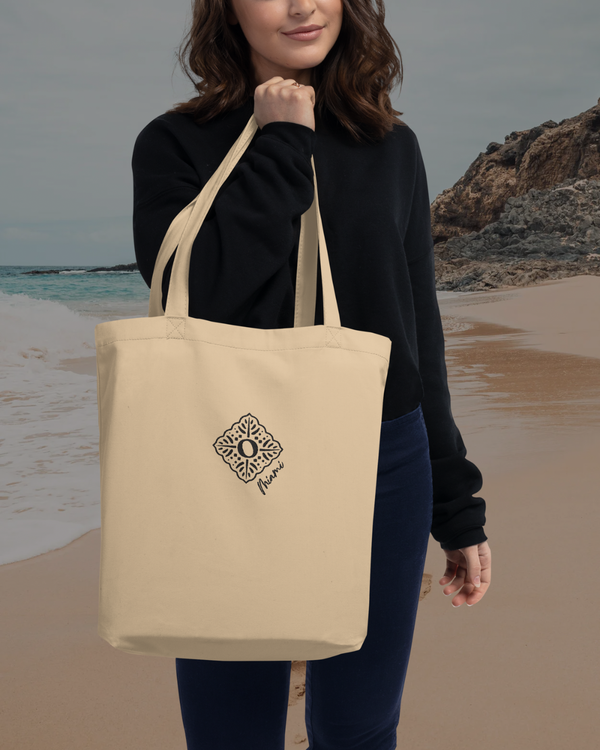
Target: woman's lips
{"type": "Point", "coordinates": [305, 35]}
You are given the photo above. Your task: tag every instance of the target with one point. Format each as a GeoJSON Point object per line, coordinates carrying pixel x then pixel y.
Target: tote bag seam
{"type": "Point", "coordinates": [244, 348]}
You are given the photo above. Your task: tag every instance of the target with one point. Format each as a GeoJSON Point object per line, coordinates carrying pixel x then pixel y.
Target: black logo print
{"type": "Point", "coordinates": [247, 447]}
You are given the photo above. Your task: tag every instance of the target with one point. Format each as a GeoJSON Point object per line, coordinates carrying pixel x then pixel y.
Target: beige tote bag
{"type": "Point", "coordinates": [238, 468]}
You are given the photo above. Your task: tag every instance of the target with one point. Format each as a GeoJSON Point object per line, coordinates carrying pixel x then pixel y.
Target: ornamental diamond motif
{"type": "Point", "coordinates": [247, 447]}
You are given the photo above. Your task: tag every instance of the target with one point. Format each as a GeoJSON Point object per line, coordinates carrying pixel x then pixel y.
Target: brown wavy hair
{"type": "Point", "coordinates": [352, 83]}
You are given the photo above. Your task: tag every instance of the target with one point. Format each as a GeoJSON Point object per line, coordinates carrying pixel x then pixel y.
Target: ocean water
{"type": "Point", "coordinates": [49, 467]}
{"type": "Point", "coordinates": [49, 461]}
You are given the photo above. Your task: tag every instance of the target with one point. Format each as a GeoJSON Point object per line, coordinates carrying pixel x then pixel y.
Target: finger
{"type": "Point", "coordinates": [466, 593]}
{"type": "Point", "coordinates": [461, 574]}
{"type": "Point", "coordinates": [457, 583]}
{"type": "Point", "coordinates": [286, 82]}
{"type": "Point", "coordinates": [467, 597]}
{"type": "Point", "coordinates": [470, 594]}
{"type": "Point", "coordinates": [460, 584]}
{"type": "Point", "coordinates": [266, 84]}
{"type": "Point", "coordinates": [476, 595]}
{"type": "Point", "coordinates": [449, 573]}
{"type": "Point", "coordinates": [473, 565]}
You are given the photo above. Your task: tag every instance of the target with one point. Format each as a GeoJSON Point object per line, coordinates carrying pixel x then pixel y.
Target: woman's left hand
{"type": "Point", "coordinates": [463, 568]}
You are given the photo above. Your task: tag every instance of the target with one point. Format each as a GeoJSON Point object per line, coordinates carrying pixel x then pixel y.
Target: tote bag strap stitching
{"type": "Point", "coordinates": [331, 338]}
{"type": "Point", "coordinates": [175, 328]}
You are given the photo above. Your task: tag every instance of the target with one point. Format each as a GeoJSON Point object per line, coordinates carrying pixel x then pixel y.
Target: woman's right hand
{"type": "Point", "coordinates": [278, 99]}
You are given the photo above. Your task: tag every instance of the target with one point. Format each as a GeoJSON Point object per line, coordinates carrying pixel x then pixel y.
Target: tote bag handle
{"type": "Point", "coordinates": [186, 225]}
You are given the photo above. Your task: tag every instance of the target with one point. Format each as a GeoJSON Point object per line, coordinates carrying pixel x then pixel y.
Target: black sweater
{"type": "Point", "coordinates": [376, 216]}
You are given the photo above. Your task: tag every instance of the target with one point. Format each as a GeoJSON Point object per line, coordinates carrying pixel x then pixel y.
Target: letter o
{"type": "Point", "coordinates": [241, 449]}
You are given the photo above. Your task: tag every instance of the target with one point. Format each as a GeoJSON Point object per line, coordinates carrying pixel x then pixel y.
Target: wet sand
{"type": "Point", "coordinates": [517, 670]}
{"type": "Point", "coordinates": [81, 365]}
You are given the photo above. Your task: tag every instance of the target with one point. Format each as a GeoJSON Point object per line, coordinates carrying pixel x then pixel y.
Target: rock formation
{"type": "Point", "coordinates": [524, 211]}
{"type": "Point", "coordinates": [121, 267]}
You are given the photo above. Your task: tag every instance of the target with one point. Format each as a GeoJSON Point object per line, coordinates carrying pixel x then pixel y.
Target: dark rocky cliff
{"type": "Point", "coordinates": [524, 211]}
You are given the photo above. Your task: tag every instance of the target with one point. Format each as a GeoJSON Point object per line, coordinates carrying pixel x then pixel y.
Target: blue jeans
{"type": "Point", "coordinates": [352, 699]}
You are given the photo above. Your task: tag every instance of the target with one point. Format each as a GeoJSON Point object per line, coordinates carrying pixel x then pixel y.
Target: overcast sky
{"type": "Point", "coordinates": [81, 78]}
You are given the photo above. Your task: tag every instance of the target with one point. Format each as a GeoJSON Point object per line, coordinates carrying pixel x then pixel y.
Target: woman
{"type": "Point", "coordinates": [323, 94]}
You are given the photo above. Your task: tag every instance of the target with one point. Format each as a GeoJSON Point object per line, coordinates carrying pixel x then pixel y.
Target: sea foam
{"type": "Point", "coordinates": [49, 462]}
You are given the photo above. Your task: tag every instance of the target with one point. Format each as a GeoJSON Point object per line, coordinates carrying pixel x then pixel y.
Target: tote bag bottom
{"type": "Point", "coordinates": [229, 650]}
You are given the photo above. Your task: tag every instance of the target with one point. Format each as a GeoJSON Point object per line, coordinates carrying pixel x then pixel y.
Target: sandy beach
{"type": "Point", "coordinates": [518, 670]}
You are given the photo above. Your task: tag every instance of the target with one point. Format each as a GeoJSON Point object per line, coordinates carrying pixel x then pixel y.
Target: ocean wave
{"type": "Point", "coordinates": [99, 273]}
{"type": "Point", "coordinates": [50, 491]}
{"type": "Point", "coordinates": [38, 333]}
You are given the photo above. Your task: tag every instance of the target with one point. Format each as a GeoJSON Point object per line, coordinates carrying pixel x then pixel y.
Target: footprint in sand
{"type": "Point", "coordinates": [297, 682]}
{"type": "Point", "coordinates": [425, 586]}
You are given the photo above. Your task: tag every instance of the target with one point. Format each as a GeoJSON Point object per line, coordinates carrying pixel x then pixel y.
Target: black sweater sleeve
{"type": "Point", "coordinates": [241, 255]}
{"type": "Point", "coordinates": [458, 516]}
